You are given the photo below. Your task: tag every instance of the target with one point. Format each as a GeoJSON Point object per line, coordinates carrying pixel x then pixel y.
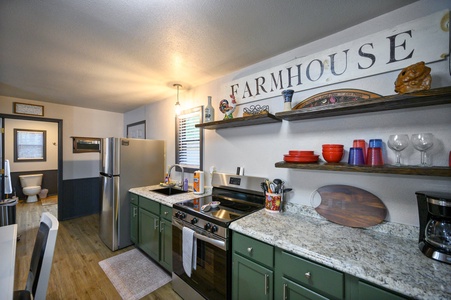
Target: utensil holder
{"type": "Point", "coordinates": [272, 203]}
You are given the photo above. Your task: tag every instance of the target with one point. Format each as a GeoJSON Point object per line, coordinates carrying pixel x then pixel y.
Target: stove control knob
{"type": "Point", "coordinates": [180, 215]}
{"type": "Point", "coordinates": [194, 221]}
{"type": "Point", "coordinates": [207, 226]}
{"type": "Point", "coordinates": [214, 229]}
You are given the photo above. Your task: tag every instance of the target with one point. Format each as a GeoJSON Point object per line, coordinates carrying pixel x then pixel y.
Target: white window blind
{"type": "Point", "coordinates": [189, 140]}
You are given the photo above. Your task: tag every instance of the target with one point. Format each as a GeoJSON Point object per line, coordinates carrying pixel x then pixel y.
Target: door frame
{"type": "Point", "coordinates": [60, 152]}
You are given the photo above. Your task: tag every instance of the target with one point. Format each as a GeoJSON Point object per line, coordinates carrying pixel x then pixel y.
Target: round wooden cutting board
{"type": "Point", "coordinates": [350, 206]}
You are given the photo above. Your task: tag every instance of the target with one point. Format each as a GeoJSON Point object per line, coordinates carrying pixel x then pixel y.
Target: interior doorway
{"type": "Point", "coordinates": [55, 175]}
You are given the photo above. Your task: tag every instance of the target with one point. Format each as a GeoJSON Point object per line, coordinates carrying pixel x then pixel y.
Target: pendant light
{"type": "Point", "coordinates": [178, 107]}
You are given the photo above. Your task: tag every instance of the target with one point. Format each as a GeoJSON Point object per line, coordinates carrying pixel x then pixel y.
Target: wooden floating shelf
{"type": "Point", "coordinates": [418, 99]}
{"type": "Point", "coordinates": [241, 121]}
{"type": "Point", "coordinates": [385, 169]}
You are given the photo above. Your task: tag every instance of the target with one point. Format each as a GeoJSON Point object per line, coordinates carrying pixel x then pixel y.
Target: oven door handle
{"type": "Point", "coordinates": [214, 242]}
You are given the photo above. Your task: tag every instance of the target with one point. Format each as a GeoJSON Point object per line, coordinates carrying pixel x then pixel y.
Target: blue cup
{"type": "Point", "coordinates": [356, 157]}
{"type": "Point", "coordinates": [375, 143]}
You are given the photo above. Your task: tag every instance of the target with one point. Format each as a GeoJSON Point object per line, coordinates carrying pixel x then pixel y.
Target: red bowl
{"type": "Point", "coordinates": [333, 150]}
{"type": "Point", "coordinates": [328, 146]}
{"type": "Point", "coordinates": [300, 152]}
{"type": "Point", "coordinates": [332, 157]}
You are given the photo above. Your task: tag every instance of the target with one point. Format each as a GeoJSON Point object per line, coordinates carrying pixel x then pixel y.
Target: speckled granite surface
{"type": "Point", "coordinates": [146, 191]}
{"type": "Point", "coordinates": [384, 259]}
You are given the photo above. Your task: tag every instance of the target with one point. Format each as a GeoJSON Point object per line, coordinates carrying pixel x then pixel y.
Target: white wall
{"type": "Point", "coordinates": [257, 148]}
{"type": "Point", "coordinates": [81, 122]}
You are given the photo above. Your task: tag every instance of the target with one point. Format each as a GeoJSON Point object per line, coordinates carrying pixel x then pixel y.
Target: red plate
{"type": "Point", "coordinates": [300, 152]}
{"type": "Point", "coordinates": [301, 159]}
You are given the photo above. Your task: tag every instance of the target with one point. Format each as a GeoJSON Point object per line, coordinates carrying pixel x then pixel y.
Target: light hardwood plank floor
{"type": "Point", "coordinates": [75, 273]}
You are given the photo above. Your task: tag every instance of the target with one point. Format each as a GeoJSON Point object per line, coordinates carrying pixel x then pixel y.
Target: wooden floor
{"type": "Point", "coordinates": [75, 272]}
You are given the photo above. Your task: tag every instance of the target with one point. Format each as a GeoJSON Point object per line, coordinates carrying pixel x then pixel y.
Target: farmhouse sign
{"type": "Point", "coordinates": [425, 39]}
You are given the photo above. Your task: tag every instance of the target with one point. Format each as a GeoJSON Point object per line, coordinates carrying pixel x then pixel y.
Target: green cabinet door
{"type": "Point", "coordinates": [250, 281]}
{"type": "Point", "coordinates": [166, 244]}
{"type": "Point", "coordinates": [149, 233]}
{"type": "Point", "coordinates": [293, 291]}
{"type": "Point", "coordinates": [370, 292]}
{"type": "Point", "coordinates": [134, 223]}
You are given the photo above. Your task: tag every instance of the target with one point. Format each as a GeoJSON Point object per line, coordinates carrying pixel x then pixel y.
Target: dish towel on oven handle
{"type": "Point", "coordinates": [189, 248]}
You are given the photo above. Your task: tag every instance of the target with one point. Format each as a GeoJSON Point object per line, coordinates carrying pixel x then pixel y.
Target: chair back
{"type": "Point", "coordinates": [42, 257]}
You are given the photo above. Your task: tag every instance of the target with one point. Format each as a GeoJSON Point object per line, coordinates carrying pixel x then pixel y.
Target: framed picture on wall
{"type": "Point", "coordinates": [137, 130]}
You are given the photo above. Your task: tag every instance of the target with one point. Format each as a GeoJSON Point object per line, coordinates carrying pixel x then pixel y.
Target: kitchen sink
{"type": "Point", "coordinates": [168, 191]}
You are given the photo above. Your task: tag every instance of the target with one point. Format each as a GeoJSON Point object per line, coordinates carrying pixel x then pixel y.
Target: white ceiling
{"type": "Point", "coordinates": [118, 55]}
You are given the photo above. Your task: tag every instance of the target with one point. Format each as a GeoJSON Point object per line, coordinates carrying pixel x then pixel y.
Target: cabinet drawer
{"type": "Point", "coordinates": [166, 212]}
{"type": "Point", "coordinates": [149, 205]}
{"type": "Point", "coordinates": [253, 249]}
{"type": "Point", "coordinates": [311, 275]}
{"type": "Point", "coordinates": [369, 292]}
{"type": "Point", "coordinates": [134, 199]}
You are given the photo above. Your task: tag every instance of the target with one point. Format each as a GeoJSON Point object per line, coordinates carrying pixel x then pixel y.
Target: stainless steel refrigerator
{"type": "Point", "coordinates": [126, 163]}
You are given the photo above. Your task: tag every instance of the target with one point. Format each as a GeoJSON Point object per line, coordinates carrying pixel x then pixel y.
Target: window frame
{"type": "Point", "coordinates": [16, 145]}
{"type": "Point", "coordinates": [200, 111]}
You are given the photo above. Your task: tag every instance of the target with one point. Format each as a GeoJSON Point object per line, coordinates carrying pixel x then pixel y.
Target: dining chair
{"type": "Point", "coordinates": [41, 260]}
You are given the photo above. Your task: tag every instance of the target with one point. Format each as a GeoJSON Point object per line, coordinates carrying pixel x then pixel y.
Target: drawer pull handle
{"type": "Point", "coordinates": [308, 275]}
{"type": "Point", "coordinates": [249, 250]}
{"type": "Point", "coordinates": [155, 224]}
{"type": "Point", "coordinates": [285, 291]}
{"type": "Point", "coordinates": [165, 213]}
{"type": "Point", "coordinates": [266, 284]}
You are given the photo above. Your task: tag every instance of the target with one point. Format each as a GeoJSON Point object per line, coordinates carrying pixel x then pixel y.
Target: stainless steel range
{"type": "Point", "coordinates": [210, 276]}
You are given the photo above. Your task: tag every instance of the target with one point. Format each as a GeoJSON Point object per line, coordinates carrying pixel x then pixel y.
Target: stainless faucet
{"type": "Point", "coordinates": [183, 174]}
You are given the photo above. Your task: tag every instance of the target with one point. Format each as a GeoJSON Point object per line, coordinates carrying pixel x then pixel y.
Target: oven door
{"type": "Point", "coordinates": [212, 276]}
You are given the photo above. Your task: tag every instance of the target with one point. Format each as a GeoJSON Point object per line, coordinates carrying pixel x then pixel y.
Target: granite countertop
{"type": "Point", "coordinates": [146, 191]}
{"type": "Point", "coordinates": [384, 259]}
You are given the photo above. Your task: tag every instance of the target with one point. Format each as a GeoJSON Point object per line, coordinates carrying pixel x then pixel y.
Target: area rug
{"type": "Point", "coordinates": [133, 274]}
{"type": "Point", "coordinates": [49, 200]}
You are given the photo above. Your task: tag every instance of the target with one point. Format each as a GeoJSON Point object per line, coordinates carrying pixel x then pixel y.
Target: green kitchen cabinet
{"type": "Point", "coordinates": [134, 223]}
{"type": "Point", "coordinates": [166, 237]}
{"type": "Point", "coordinates": [262, 271]}
{"type": "Point", "coordinates": [357, 289]}
{"type": "Point", "coordinates": [299, 278]}
{"type": "Point", "coordinates": [149, 233]}
{"type": "Point", "coordinates": [134, 206]}
{"type": "Point", "coordinates": [252, 269]}
{"type": "Point", "coordinates": [151, 229]}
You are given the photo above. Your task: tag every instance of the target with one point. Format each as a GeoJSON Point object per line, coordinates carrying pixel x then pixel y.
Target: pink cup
{"type": "Point", "coordinates": [374, 157]}
{"type": "Point", "coordinates": [360, 144]}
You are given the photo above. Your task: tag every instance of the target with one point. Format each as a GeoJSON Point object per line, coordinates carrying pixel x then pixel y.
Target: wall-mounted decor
{"type": "Point", "coordinates": [29, 145]}
{"type": "Point", "coordinates": [86, 144]}
{"type": "Point", "coordinates": [137, 130]}
{"type": "Point", "coordinates": [336, 96]}
{"type": "Point", "coordinates": [28, 109]}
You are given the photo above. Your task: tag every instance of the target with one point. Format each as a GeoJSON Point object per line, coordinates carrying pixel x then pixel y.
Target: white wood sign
{"type": "Point", "coordinates": [425, 39]}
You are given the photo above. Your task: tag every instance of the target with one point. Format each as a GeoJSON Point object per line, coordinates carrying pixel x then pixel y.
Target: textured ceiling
{"type": "Point", "coordinates": [117, 55]}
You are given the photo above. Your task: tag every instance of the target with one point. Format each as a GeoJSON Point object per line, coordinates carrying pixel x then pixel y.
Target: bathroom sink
{"type": "Point", "coordinates": [168, 191]}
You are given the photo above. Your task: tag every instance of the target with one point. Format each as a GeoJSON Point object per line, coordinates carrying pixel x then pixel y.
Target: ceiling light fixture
{"type": "Point", "coordinates": [177, 104]}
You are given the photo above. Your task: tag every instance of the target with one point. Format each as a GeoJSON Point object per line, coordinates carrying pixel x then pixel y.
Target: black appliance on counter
{"type": "Point", "coordinates": [434, 210]}
{"type": "Point", "coordinates": [212, 276]}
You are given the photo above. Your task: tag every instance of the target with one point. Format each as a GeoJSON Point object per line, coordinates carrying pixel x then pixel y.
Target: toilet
{"type": "Point", "coordinates": [31, 185]}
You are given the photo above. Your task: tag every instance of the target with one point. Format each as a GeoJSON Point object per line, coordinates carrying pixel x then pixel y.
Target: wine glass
{"type": "Point", "coordinates": [422, 142]}
{"type": "Point", "coordinates": [398, 142]}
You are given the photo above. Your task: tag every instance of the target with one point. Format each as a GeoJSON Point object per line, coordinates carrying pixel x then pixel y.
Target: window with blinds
{"type": "Point", "coordinates": [189, 139]}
